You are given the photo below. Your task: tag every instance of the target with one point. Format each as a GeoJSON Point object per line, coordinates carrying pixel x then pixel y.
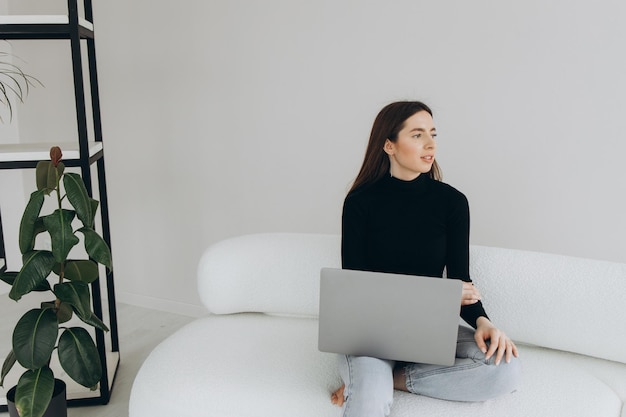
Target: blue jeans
{"type": "Point", "coordinates": [369, 381]}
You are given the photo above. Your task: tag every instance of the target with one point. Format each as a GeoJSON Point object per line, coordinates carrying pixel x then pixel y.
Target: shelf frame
{"type": "Point", "coordinates": [3, 255]}
{"type": "Point", "coordinates": [77, 30]}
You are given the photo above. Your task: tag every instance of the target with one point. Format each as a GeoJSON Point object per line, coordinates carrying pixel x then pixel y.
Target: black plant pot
{"type": "Point", "coordinates": [57, 407]}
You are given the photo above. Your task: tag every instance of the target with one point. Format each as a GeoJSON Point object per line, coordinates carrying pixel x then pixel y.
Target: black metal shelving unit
{"type": "Point", "coordinates": [3, 260]}
{"type": "Point", "coordinates": [83, 154]}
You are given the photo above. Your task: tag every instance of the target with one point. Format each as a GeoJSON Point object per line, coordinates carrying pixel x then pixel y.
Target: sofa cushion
{"type": "Point", "coordinates": [255, 365]}
{"type": "Point", "coordinates": [269, 273]}
{"type": "Point", "coordinates": [237, 365]}
{"type": "Point", "coordinates": [555, 301]}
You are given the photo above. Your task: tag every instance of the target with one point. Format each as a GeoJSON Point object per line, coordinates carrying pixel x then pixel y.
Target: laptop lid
{"type": "Point", "coordinates": [389, 316]}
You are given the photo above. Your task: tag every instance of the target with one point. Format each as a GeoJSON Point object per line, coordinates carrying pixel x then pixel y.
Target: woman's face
{"type": "Point", "coordinates": [413, 153]}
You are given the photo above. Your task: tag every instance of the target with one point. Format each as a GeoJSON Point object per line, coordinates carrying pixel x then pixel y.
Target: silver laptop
{"type": "Point", "coordinates": [389, 316]}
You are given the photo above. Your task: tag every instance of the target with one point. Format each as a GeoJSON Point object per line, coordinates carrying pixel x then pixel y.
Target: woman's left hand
{"type": "Point", "coordinates": [499, 342]}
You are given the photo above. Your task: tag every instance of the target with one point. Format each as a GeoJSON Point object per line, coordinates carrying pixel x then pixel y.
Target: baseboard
{"type": "Point", "coordinates": [161, 304]}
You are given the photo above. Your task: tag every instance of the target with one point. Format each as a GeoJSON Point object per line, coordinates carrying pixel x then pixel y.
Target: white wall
{"type": "Point", "coordinates": [227, 117]}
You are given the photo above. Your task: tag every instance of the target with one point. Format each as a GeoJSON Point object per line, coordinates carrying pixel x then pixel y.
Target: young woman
{"type": "Point", "coordinates": [400, 218]}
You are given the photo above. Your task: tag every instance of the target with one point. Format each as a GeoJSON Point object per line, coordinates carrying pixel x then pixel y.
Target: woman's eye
{"type": "Point", "coordinates": [417, 136]}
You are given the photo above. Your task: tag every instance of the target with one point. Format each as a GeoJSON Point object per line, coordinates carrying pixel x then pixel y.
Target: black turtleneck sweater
{"type": "Point", "coordinates": [414, 227]}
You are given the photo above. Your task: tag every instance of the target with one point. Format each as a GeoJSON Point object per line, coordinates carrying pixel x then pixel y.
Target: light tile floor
{"type": "Point", "coordinates": [140, 330]}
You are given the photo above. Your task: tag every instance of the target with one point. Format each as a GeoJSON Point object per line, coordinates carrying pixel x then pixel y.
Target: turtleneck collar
{"type": "Point", "coordinates": [411, 185]}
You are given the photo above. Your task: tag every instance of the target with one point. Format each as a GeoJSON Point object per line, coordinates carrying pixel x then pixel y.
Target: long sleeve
{"type": "Point", "coordinates": [353, 236]}
{"type": "Point", "coordinates": [457, 253]}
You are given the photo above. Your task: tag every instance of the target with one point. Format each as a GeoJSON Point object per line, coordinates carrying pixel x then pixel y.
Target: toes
{"type": "Point", "coordinates": [337, 396]}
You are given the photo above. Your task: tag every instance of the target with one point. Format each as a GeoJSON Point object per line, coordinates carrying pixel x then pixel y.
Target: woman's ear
{"type": "Point", "coordinates": [389, 147]}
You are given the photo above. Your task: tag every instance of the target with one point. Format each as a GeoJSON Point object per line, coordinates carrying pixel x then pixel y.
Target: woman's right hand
{"type": "Point", "coordinates": [470, 294]}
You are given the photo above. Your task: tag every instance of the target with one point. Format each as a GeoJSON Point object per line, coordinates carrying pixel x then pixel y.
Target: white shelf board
{"type": "Point", "coordinates": [41, 151]}
{"type": "Point", "coordinates": [41, 19]}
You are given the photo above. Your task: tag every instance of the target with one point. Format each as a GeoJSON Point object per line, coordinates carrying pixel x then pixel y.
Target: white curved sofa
{"type": "Point", "coordinates": [256, 354]}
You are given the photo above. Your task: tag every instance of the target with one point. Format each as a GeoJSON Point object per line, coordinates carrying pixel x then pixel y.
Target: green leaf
{"type": "Point", "coordinates": [94, 208]}
{"type": "Point", "coordinates": [79, 198]}
{"type": "Point", "coordinates": [79, 357]}
{"type": "Point", "coordinates": [34, 392]}
{"type": "Point", "coordinates": [36, 267]}
{"type": "Point", "coordinates": [29, 224]}
{"type": "Point", "coordinates": [96, 247]}
{"type": "Point", "coordinates": [46, 176]}
{"type": "Point", "coordinates": [76, 294]}
{"type": "Point", "coordinates": [34, 337]}
{"type": "Point", "coordinates": [94, 321]}
{"type": "Point", "coordinates": [8, 277]}
{"type": "Point", "coordinates": [6, 366]}
{"type": "Point", "coordinates": [81, 270]}
{"type": "Point", "coordinates": [64, 312]}
{"type": "Point", "coordinates": [59, 225]}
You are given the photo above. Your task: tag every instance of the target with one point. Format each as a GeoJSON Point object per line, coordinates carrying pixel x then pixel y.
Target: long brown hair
{"type": "Point", "coordinates": [387, 125]}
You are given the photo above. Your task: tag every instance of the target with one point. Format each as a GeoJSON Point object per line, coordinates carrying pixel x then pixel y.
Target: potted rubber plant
{"type": "Point", "coordinates": [42, 331]}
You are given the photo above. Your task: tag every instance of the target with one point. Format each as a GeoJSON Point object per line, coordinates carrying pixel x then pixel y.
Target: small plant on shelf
{"type": "Point", "coordinates": [14, 83]}
{"type": "Point", "coordinates": [43, 330]}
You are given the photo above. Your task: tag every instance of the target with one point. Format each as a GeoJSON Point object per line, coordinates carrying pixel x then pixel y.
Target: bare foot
{"type": "Point", "coordinates": [337, 396]}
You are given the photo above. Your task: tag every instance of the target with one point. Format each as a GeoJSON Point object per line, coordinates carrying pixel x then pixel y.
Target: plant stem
{"type": "Point", "coordinates": [59, 199]}
{"type": "Point", "coordinates": [58, 187]}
